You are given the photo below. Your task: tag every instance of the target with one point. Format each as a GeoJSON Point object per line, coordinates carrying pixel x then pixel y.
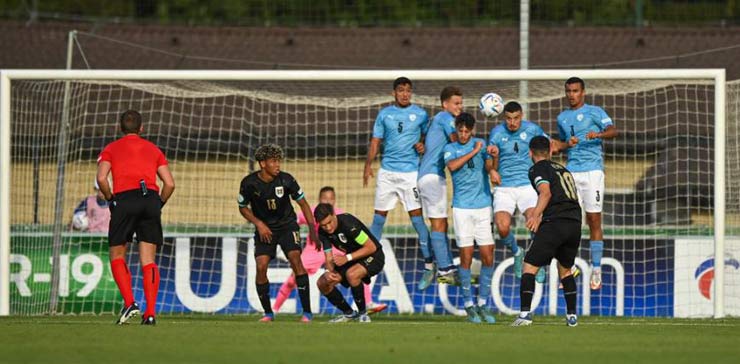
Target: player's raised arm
{"type": "Point", "coordinates": [372, 152]}
{"type": "Point", "coordinates": [456, 164]}
{"type": "Point", "coordinates": [610, 132]}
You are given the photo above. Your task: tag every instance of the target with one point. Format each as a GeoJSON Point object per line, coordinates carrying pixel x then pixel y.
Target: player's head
{"type": "Point", "coordinates": [451, 98]}
{"type": "Point", "coordinates": [513, 115]}
{"type": "Point", "coordinates": [130, 122]}
{"type": "Point", "coordinates": [464, 125]}
{"type": "Point", "coordinates": [539, 148]}
{"type": "Point", "coordinates": [402, 89]}
{"type": "Point", "coordinates": [269, 157]}
{"type": "Point", "coordinates": [327, 195]}
{"type": "Point", "coordinates": [575, 92]}
{"type": "Point", "coordinates": [325, 217]}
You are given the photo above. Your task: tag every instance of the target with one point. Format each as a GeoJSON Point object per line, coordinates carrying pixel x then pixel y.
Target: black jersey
{"type": "Point", "coordinates": [351, 235]}
{"type": "Point", "coordinates": [270, 201]}
{"type": "Point", "coordinates": [564, 201]}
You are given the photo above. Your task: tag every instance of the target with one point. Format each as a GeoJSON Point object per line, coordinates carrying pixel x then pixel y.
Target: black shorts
{"type": "Point", "coordinates": [288, 240]}
{"type": "Point", "coordinates": [557, 239]}
{"type": "Point", "coordinates": [132, 212]}
{"type": "Point", "coordinates": [373, 263]}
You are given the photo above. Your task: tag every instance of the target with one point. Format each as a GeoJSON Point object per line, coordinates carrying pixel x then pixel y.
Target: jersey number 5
{"type": "Point", "coordinates": [568, 184]}
{"type": "Point", "coordinates": [400, 127]}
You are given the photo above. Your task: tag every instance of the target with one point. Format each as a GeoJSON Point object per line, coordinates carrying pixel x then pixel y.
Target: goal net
{"type": "Point", "coordinates": [660, 212]}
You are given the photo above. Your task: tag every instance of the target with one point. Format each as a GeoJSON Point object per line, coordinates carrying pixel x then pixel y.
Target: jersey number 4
{"type": "Point", "coordinates": [568, 184]}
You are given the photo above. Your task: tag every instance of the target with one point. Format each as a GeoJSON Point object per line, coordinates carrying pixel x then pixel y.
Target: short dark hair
{"type": "Point", "coordinates": [268, 151]}
{"type": "Point", "coordinates": [512, 106]}
{"type": "Point", "coordinates": [466, 120]}
{"type": "Point", "coordinates": [573, 80]}
{"type": "Point", "coordinates": [448, 92]}
{"type": "Point", "coordinates": [322, 211]}
{"type": "Point", "coordinates": [540, 145]}
{"type": "Point", "coordinates": [401, 81]}
{"type": "Point", "coordinates": [327, 189]}
{"type": "Point", "coordinates": [130, 122]}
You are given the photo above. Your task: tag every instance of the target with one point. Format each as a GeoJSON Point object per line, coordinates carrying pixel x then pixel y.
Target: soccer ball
{"type": "Point", "coordinates": [491, 104]}
{"type": "Point", "coordinates": [80, 221]}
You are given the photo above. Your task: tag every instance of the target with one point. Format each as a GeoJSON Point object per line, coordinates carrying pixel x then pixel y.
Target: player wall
{"type": "Point", "coordinates": [214, 273]}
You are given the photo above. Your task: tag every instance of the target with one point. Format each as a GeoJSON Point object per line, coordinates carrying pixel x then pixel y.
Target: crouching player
{"type": "Point", "coordinates": [363, 259]}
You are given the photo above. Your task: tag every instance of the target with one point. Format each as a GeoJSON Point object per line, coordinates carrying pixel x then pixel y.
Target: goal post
{"type": "Point", "coordinates": [714, 77]}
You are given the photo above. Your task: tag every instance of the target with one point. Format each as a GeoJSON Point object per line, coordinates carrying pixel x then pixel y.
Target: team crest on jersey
{"type": "Point", "coordinates": [579, 117]}
{"type": "Point", "coordinates": [412, 117]}
{"type": "Point", "coordinates": [240, 199]}
{"type": "Point", "coordinates": [523, 136]}
{"type": "Point", "coordinates": [342, 238]}
{"type": "Point", "coordinates": [279, 191]}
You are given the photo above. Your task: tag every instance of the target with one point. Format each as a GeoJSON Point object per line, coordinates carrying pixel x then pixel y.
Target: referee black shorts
{"type": "Point", "coordinates": [288, 240]}
{"type": "Point", "coordinates": [373, 264]}
{"type": "Point", "coordinates": [557, 239]}
{"type": "Point", "coordinates": [132, 212]}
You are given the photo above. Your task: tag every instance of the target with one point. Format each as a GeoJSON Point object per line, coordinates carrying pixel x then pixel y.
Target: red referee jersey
{"type": "Point", "coordinates": [132, 159]}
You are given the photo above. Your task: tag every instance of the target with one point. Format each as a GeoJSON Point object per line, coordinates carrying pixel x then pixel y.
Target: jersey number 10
{"type": "Point", "coordinates": [568, 184]}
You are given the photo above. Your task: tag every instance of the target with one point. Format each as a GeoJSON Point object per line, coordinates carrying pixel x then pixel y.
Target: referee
{"type": "Point", "coordinates": [556, 224]}
{"type": "Point", "coordinates": [136, 207]}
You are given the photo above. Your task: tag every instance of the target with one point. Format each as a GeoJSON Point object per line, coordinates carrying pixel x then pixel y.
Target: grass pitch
{"type": "Point", "coordinates": [388, 339]}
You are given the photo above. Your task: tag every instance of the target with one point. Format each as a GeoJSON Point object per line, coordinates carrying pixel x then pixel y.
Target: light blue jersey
{"type": "Point", "coordinates": [513, 147]}
{"type": "Point", "coordinates": [586, 155]}
{"type": "Point", "coordinates": [400, 128]}
{"type": "Point", "coordinates": [471, 189]}
{"type": "Point", "coordinates": [440, 129]}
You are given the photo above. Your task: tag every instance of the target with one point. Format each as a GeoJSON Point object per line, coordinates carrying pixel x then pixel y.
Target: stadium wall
{"type": "Point", "coordinates": [213, 273]}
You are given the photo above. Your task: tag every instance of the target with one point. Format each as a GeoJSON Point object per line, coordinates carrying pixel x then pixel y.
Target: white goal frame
{"type": "Point", "coordinates": [717, 76]}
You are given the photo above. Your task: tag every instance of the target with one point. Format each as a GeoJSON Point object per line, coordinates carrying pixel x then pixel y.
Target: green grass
{"type": "Point", "coordinates": [389, 339]}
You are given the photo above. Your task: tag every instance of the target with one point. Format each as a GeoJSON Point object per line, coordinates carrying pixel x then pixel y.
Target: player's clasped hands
{"type": "Point", "coordinates": [478, 145]}
{"type": "Point", "coordinates": [572, 141]}
{"type": "Point", "coordinates": [592, 135]}
{"type": "Point", "coordinates": [265, 233]}
{"type": "Point", "coordinates": [533, 223]}
{"type": "Point", "coordinates": [334, 277]}
{"type": "Point", "coordinates": [492, 150]}
{"type": "Point", "coordinates": [419, 148]}
{"type": "Point", "coordinates": [340, 259]}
